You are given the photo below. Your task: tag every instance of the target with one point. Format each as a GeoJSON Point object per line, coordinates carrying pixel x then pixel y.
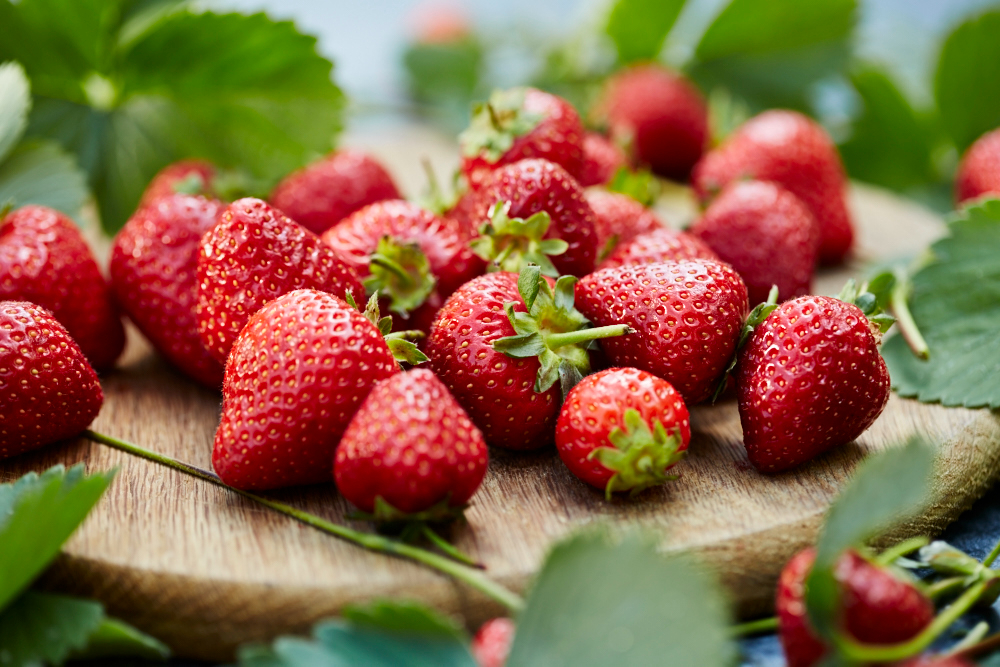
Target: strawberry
{"type": "Point", "coordinates": [410, 449]}
{"type": "Point", "coordinates": [601, 159]}
{"type": "Point", "coordinates": [619, 219]}
{"type": "Point", "coordinates": [408, 255]}
{"type": "Point", "coordinates": [797, 154]}
{"type": "Point", "coordinates": [659, 245]}
{"type": "Point", "coordinates": [542, 193]}
{"type": "Point", "coordinates": [622, 429]}
{"type": "Point", "coordinates": [502, 342]}
{"type": "Point", "coordinates": [688, 315]}
{"type": "Point", "coordinates": [255, 254]}
{"type": "Point", "coordinates": [766, 233]}
{"type": "Point", "coordinates": [464, 212]}
{"type": "Point", "coordinates": [517, 124]}
{"type": "Point", "coordinates": [876, 607]}
{"type": "Point", "coordinates": [48, 391]}
{"type": "Point", "coordinates": [44, 260]}
{"type": "Point", "coordinates": [491, 645]}
{"type": "Point", "coordinates": [325, 192]}
{"type": "Point", "coordinates": [979, 170]}
{"type": "Point", "coordinates": [938, 661]}
{"type": "Point", "coordinates": [192, 177]}
{"type": "Point", "coordinates": [298, 372]}
{"type": "Point", "coordinates": [660, 115]}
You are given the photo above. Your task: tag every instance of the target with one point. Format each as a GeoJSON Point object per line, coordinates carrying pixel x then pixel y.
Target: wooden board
{"type": "Point", "coordinates": [205, 570]}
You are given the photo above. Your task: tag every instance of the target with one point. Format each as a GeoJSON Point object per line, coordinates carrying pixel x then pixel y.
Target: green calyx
{"type": "Point", "coordinates": [496, 124]}
{"type": "Point", "coordinates": [402, 273]}
{"type": "Point", "coordinates": [552, 330]}
{"type": "Point", "coordinates": [872, 298]}
{"type": "Point", "coordinates": [434, 198]}
{"type": "Point", "coordinates": [510, 244]}
{"type": "Point", "coordinates": [386, 514]}
{"type": "Point", "coordinates": [641, 185]}
{"type": "Point", "coordinates": [640, 456]}
{"type": "Point", "coordinates": [400, 343]}
{"type": "Point", "coordinates": [754, 320]}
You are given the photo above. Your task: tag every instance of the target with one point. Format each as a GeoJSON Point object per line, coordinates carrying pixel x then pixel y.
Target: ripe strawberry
{"type": "Point", "coordinates": [253, 255]}
{"type": "Point", "coordinates": [410, 449]}
{"type": "Point", "coordinates": [619, 219]}
{"type": "Point", "coordinates": [601, 159]}
{"type": "Point", "coordinates": [532, 187]}
{"type": "Point", "coordinates": [766, 233]}
{"type": "Point", "coordinates": [502, 342]}
{"type": "Point", "coordinates": [410, 256]}
{"type": "Point", "coordinates": [688, 316]}
{"type": "Point", "coordinates": [797, 154]}
{"type": "Point", "coordinates": [491, 645]}
{"type": "Point", "coordinates": [44, 260]}
{"type": "Point", "coordinates": [154, 273]}
{"type": "Point", "coordinates": [979, 171]}
{"type": "Point", "coordinates": [659, 245]}
{"type": "Point", "coordinates": [622, 429]}
{"type": "Point", "coordinates": [876, 606]}
{"type": "Point", "coordinates": [192, 177]}
{"type": "Point", "coordinates": [810, 378]}
{"type": "Point", "coordinates": [660, 115]}
{"type": "Point", "coordinates": [298, 372]}
{"type": "Point", "coordinates": [517, 124]}
{"type": "Point", "coordinates": [48, 391]}
{"type": "Point", "coordinates": [323, 193]}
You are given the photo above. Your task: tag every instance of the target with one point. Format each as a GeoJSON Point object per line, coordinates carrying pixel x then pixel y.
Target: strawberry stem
{"type": "Point", "coordinates": [889, 556]}
{"type": "Point", "coordinates": [898, 304]}
{"type": "Point", "coordinates": [557, 340]}
{"type": "Point", "coordinates": [378, 543]}
{"type": "Point", "coordinates": [992, 555]}
{"type": "Point", "coordinates": [448, 548]}
{"type": "Point", "coordinates": [758, 627]}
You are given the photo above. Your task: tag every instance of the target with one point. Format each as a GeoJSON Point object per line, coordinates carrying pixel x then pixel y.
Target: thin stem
{"type": "Point", "coordinates": [898, 304]}
{"type": "Point", "coordinates": [556, 340]}
{"type": "Point", "coordinates": [470, 576]}
{"type": "Point", "coordinates": [758, 627]}
{"type": "Point", "coordinates": [944, 587]}
{"type": "Point", "coordinates": [974, 637]}
{"type": "Point", "coordinates": [988, 561]}
{"type": "Point", "coordinates": [449, 549]}
{"type": "Point", "coordinates": [988, 645]}
{"type": "Point", "coordinates": [889, 556]}
{"type": "Point", "coordinates": [392, 267]}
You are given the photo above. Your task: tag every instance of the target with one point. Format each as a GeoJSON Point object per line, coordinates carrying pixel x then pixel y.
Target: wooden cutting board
{"type": "Point", "coordinates": [205, 570]}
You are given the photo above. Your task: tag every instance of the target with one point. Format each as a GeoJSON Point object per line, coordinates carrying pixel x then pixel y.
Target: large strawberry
{"type": "Point", "coordinates": [48, 391]}
{"type": "Point", "coordinates": [491, 645]}
{"type": "Point", "coordinates": [411, 257]}
{"type": "Point", "coordinates": [601, 160]}
{"type": "Point", "coordinates": [979, 170]}
{"type": "Point", "coordinates": [660, 115]}
{"type": "Point", "coordinates": [154, 273]}
{"type": "Point", "coordinates": [619, 219]}
{"type": "Point", "coordinates": [517, 124]}
{"type": "Point", "coordinates": [193, 177]}
{"type": "Point", "coordinates": [325, 192]}
{"type": "Point", "coordinates": [688, 317]}
{"type": "Point", "coordinates": [876, 607]}
{"type": "Point", "coordinates": [506, 345]}
{"type": "Point", "coordinates": [44, 260]}
{"type": "Point", "coordinates": [659, 245]}
{"type": "Point", "coordinates": [797, 154]}
{"type": "Point", "coordinates": [255, 254]}
{"type": "Point", "coordinates": [766, 233]}
{"type": "Point", "coordinates": [622, 429]}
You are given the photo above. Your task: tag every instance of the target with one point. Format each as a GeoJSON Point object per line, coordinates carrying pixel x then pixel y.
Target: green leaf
{"type": "Point", "coordinates": [639, 27]}
{"type": "Point", "coordinates": [38, 514]}
{"type": "Point", "coordinates": [956, 305]}
{"type": "Point", "coordinates": [445, 76]}
{"type": "Point", "coordinates": [117, 638]}
{"type": "Point", "coordinates": [40, 172]}
{"type": "Point", "coordinates": [15, 101]}
{"type": "Point", "coordinates": [404, 616]}
{"type": "Point", "coordinates": [966, 87]}
{"type": "Point", "coordinates": [597, 602]}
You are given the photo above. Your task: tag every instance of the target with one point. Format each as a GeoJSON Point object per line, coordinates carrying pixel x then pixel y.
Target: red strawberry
{"type": "Point", "coordinates": [766, 233]}
{"type": "Point", "coordinates": [253, 255]}
{"type": "Point", "coordinates": [410, 256]}
{"type": "Point", "coordinates": [797, 154]}
{"type": "Point", "coordinates": [810, 378]}
{"type": "Point", "coordinates": [601, 159]}
{"type": "Point", "coordinates": [532, 187]}
{"type": "Point", "coordinates": [44, 260]}
{"type": "Point", "coordinates": [491, 645]}
{"type": "Point", "coordinates": [660, 245]}
{"type": "Point", "coordinates": [979, 171]}
{"type": "Point", "coordinates": [517, 124]}
{"type": "Point", "coordinates": [154, 272]}
{"type": "Point", "coordinates": [410, 447]}
{"type": "Point", "coordinates": [619, 219]}
{"type": "Point", "coordinates": [622, 429]}
{"type": "Point", "coordinates": [192, 177]}
{"type": "Point", "coordinates": [502, 343]}
{"type": "Point", "coordinates": [688, 316]}
{"type": "Point", "coordinates": [48, 391]}
{"type": "Point", "coordinates": [876, 606]}
{"type": "Point", "coordinates": [298, 372]}
{"type": "Point", "coordinates": [660, 115]}
{"type": "Point", "coordinates": [938, 661]}
{"type": "Point", "coordinates": [325, 192]}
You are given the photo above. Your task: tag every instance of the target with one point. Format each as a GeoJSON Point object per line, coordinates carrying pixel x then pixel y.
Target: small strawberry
{"type": "Point", "coordinates": [660, 115]}
{"type": "Point", "coordinates": [619, 219]}
{"type": "Point", "coordinates": [502, 342]}
{"type": "Point", "coordinates": [491, 645]}
{"type": "Point", "coordinates": [601, 160]}
{"type": "Point", "coordinates": [44, 260]}
{"type": "Point", "coordinates": [795, 152]}
{"type": "Point", "coordinates": [255, 254]}
{"type": "Point", "coordinates": [660, 245]}
{"type": "Point", "coordinates": [411, 257]}
{"type": "Point", "coordinates": [154, 273]}
{"type": "Point", "coordinates": [876, 607]}
{"type": "Point", "coordinates": [766, 233]}
{"type": "Point", "coordinates": [48, 391]}
{"type": "Point", "coordinates": [190, 177]}
{"type": "Point", "coordinates": [521, 191]}
{"type": "Point", "coordinates": [517, 124]}
{"type": "Point", "coordinates": [325, 192]}
{"type": "Point", "coordinates": [410, 449]}
{"type": "Point", "coordinates": [979, 170]}
{"type": "Point", "coordinates": [688, 316]}
{"type": "Point", "coordinates": [622, 429]}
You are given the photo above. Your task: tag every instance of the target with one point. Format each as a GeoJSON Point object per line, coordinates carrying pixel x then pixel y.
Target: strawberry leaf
{"type": "Point", "coordinates": [15, 101]}
{"type": "Point", "coordinates": [40, 172]}
{"type": "Point", "coordinates": [638, 28]}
